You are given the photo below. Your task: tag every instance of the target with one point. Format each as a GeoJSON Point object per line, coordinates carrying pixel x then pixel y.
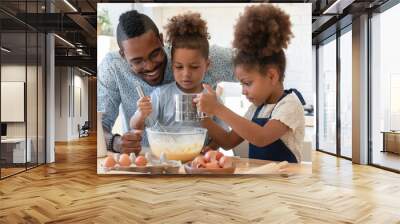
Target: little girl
{"type": "Point", "coordinates": [274, 123]}
{"type": "Point", "coordinates": [187, 34]}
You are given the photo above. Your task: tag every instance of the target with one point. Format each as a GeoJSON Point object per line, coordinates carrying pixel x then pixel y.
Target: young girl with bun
{"type": "Point", "coordinates": [274, 123]}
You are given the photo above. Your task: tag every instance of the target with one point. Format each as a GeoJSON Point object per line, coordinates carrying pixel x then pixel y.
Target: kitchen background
{"type": "Point", "coordinates": [299, 53]}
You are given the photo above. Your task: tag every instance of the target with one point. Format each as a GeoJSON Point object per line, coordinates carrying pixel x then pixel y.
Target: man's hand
{"type": "Point", "coordinates": [130, 142]}
{"type": "Point", "coordinates": [144, 107]}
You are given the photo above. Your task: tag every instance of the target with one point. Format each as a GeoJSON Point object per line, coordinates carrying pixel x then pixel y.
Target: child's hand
{"type": "Point", "coordinates": [206, 149]}
{"type": "Point", "coordinates": [207, 102]}
{"type": "Point", "coordinates": [144, 107]}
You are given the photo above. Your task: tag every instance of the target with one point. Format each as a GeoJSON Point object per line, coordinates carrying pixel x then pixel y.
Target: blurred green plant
{"type": "Point", "coordinates": [104, 26]}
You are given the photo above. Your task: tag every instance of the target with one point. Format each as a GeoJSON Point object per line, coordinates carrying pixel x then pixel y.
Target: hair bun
{"type": "Point", "coordinates": [186, 25]}
{"type": "Point", "coordinates": [262, 31]}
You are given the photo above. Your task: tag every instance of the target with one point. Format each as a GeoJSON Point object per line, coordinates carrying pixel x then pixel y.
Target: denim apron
{"type": "Point", "coordinates": [276, 151]}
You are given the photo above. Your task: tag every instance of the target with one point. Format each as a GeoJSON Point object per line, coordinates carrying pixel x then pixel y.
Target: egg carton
{"type": "Point", "coordinates": [153, 166]}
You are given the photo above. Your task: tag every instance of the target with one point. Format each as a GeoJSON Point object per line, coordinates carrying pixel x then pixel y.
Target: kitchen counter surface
{"type": "Point", "coordinates": [243, 166]}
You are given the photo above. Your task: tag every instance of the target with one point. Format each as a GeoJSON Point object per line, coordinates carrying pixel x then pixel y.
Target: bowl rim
{"type": "Point", "coordinates": [196, 131]}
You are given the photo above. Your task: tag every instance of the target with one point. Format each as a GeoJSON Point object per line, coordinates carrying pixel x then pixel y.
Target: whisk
{"type": "Point", "coordinates": [156, 125]}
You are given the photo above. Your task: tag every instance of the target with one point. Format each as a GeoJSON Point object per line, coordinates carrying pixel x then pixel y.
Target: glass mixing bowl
{"type": "Point", "coordinates": [178, 143]}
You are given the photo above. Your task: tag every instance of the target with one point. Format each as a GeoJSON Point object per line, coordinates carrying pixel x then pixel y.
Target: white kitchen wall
{"type": "Point", "coordinates": [109, 43]}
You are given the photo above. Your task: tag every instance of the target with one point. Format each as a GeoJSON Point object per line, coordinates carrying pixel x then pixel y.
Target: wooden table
{"type": "Point", "coordinates": [243, 166]}
{"type": "Point", "coordinates": [391, 141]}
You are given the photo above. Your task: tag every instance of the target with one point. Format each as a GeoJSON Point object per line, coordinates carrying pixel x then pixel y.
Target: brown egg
{"type": "Point", "coordinates": [219, 155]}
{"type": "Point", "coordinates": [140, 161]}
{"type": "Point", "coordinates": [124, 160]}
{"type": "Point", "coordinates": [109, 162]}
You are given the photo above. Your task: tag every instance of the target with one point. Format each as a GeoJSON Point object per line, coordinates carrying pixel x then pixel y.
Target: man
{"type": "Point", "coordinates": [142, 59]}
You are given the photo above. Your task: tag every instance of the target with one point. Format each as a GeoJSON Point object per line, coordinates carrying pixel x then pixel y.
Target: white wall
{"type": "Point", "coordinates": [61, 103]}
{"type": "Point", "coordinates": [70, 84]}
{"type": "Point", "coordinates": [16, 73]}
{"type": "Point", "coordinates": [114, 11]}
{"type": "Point", "coordinates": [80, 102]}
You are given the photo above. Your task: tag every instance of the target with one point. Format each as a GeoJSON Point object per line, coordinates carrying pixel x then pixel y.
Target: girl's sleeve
{"type": "Point", "coordinates": [250, 111]}
{"type": "Point", "coordinates": [290, 112]}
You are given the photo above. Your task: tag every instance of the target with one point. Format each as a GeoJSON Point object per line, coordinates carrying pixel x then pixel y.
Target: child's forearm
{"type": "Point", "coordinates": [137, 122]}
{"type": "Point", "coordinates": [220, 136]}
{"type": "Point", "coordinates": [213, 145]}
{"type": "Point", "coordinates": [252, 132]}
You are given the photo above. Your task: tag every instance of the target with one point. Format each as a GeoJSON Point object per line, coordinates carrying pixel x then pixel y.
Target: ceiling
{"type": "Point", "coordinates": [75, 43]}
{"type": "Point", "coordinates": [75, 21]}
{"type": "Point", "coordinates": [329, 16]}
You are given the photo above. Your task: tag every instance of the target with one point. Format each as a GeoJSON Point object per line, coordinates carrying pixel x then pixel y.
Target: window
{"type": "Point", "coordinates": [346, 94]}
{"type": "Point", "coordinates": [327, 96]}
{"type": "Point", "coordinates": [22, 74]}
{"type": "Point", "coordinates": [385, 89]}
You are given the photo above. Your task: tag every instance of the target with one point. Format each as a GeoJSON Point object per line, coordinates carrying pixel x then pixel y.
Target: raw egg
{"type": "Point", "coordinates": [140, 161]}
{"type": "Point", "coordinates": [109, 162]}
{"type": "Point", "coordinates": [219, 155]}
{"type": "Point", "coordinates": [124, 160]}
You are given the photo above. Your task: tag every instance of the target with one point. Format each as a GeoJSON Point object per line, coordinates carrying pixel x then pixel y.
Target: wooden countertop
{"type": "Point", "coordinates": [243, 166]}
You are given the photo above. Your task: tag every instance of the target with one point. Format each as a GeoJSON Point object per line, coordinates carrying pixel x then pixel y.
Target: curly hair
{"type": "Point", "coordinates": [132, 24]}
{"type": "Point", "coordinates": [261, 34]}
{"type": "Point", "coordinates": [188, 30]}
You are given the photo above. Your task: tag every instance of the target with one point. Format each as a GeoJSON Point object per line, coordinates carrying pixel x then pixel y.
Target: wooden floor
{"type": "Point", "coordinates": [387, 159]}
{"type": "Point", "coordinates": [5, 172]}
{"type": "Point", "coordinates": [10, 171]}
{"type": "Point", "coordinates": [70, 191]}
